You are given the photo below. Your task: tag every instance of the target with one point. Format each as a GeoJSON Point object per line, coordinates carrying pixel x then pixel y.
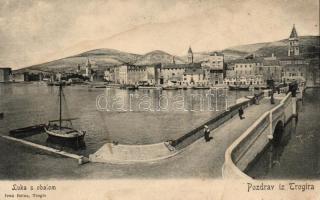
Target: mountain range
{"type": "Point", "coordinates": [309, 48]}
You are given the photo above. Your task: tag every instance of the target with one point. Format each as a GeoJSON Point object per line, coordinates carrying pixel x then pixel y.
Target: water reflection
{"type": "Point", "coordinates": [271, 156]}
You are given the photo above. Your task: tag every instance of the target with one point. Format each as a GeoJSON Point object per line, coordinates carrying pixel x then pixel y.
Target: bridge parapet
{"type": "Point", "coordinates": [213, 123]}
{"type": "Point", "coordinates": [252, 142]}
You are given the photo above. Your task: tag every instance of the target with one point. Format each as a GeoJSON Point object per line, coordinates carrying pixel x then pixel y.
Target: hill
{"type": "Point", "coordinates": [309, 47]}
{"type": "Point", "coordinates": [104, 57]}
{"type": "Point", "coordinates": [158, 56]}
{"type": "Point", "coordinates": [98, 57]}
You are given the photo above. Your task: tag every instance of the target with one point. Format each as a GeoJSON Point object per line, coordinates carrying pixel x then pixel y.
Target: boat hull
{"type": "Point", "coordinates": [75, 142]}
{"type": "Point", "coordinates": [244, 88]}
{"type": "Point", "coordinates": [200, 88]}
{"type": "Point", "coordinates": [170, 88]}
{"type": "Point", "coordinates": [27, 131]}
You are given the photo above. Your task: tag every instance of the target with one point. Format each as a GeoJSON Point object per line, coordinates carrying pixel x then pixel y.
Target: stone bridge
{"type": "Point", "coordinates": [267, 128]}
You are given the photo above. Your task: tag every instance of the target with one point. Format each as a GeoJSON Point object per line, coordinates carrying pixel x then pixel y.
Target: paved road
{"type": "Point", "coordinates": [199, 160]}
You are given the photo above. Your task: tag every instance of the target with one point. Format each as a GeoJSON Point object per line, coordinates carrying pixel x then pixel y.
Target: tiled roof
{"type": "Point", "coordinates": [179, 66]}
{"type": "Point", "coordinates": [251, 60]}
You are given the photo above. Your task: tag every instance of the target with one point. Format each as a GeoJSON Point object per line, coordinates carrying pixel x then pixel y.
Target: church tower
{"type": "Point", "coordinates": [88, 68]}
{"type": "Point", "coordinates": [293, 43]}
{"type": "Point", "coordinates": [190, 55]}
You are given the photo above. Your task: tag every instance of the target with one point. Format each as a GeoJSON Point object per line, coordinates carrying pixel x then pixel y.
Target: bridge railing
{"type": "Point", "coordinates": [245, 149]}
{"type": "Point", "coordinates": [213, 123]}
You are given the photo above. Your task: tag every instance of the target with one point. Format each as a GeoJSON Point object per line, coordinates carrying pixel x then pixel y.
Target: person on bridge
{"type": "Point", "coordinates": [241, 113]}
{"type": "Point", "coordinates": [207, 133]}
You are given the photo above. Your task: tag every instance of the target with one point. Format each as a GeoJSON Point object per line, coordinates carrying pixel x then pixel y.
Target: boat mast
{"type": "Point", "coordinates": [60, 107]}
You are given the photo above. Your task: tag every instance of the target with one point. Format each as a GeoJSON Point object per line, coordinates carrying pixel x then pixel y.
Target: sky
{"type": "Point", "coordinates": [37, 31]}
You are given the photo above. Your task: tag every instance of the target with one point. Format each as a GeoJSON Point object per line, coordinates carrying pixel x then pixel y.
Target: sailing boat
{"type": "Point", "coordinates": [61, 131]}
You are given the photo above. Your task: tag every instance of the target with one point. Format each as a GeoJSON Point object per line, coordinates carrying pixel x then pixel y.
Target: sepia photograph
{"type": "Point", "coordinates": [159, 99]}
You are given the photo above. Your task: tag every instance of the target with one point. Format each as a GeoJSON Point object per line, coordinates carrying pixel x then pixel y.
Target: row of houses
{"type": "Point", "coordinates": [209, 72]}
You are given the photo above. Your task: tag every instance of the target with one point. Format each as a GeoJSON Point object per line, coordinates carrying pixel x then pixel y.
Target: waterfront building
{"type": "Point", "coordinates": [99, 73]}
{"type": "Point", "coordinates": [133, 74]}
{"type": "Point", "coordinates": [121, 74]}
{"type": "Point", "coordinates": [271, 70]}
{"type": "Point", "coordinates": [20, 77]}
{"type": "Point", "coordinates": [5, 74]}
{"type": "Point", "coordinates": [229, 71]}
{"type": "Point", "coordinates": [215, 60]}
{"type": "Point", "coordinates": [247, 67]}
{"type": "Point", "coordinates": [195, 76]}
{"type": "Point", "coordinates": [109, 74]}
{"type": "Point", "coordinates": [294, 70]}
{"type": "Point", "coordinates": [175, 72]}
{"type": "Point", "coordinates": [214, 66]}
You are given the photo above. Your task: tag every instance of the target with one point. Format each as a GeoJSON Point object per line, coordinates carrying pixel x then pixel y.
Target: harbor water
{"type": "Point", "coordinates": [110, 114]}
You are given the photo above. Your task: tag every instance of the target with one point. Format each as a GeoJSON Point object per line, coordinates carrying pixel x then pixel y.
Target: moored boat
{"type": "Point", "coordinates": [27, 131]}
{"type": "Point", "coordinates": [61, 131]}
{"type": "Point", "coordinates": [100, 86]}
{"type": "Point", "coordinates": [201, 87]}
{"type": "Point", "coordinates": [219, 87]}
{"type": "Point", "coordinates": [239, 87]}
{"type": "Point", "coordinates": [149, 87]}
{"type": "Point", "coordinates": [183, 87]}
{"type": "Point", "coordinates": [65, 135]}
{"type": "Point", "coordinates": [170, 87]}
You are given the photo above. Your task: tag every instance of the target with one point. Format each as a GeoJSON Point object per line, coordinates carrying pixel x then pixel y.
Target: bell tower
{"type": "Point", "coordinates": [190, 55]}
{"type": "Point", "coordinates": [293, 43]}
{"type": "Point", "coordinates": [88, 68]}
